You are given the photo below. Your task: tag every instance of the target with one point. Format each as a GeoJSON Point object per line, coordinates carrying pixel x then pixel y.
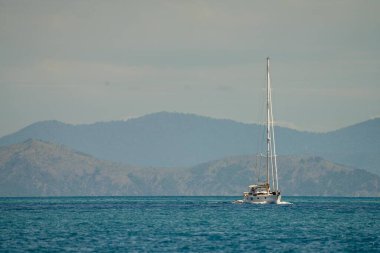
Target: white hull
{"type": "Point", "coordinates": [263, 199]}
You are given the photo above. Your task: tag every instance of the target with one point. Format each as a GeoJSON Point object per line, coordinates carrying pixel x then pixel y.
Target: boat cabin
{"type": "Point", "coordinates": [259, 189]}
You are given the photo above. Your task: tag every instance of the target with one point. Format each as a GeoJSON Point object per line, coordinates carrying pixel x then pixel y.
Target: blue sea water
{"type": "Point", "coordinates": [188, 224]}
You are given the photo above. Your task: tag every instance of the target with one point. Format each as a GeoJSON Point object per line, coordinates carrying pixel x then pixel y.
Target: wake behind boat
{"type": "Point", "coordinates": [266, 192]}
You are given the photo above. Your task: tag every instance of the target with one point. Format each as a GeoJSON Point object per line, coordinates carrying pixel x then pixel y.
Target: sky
{"type": "Point", "coordinates": [89, 61]}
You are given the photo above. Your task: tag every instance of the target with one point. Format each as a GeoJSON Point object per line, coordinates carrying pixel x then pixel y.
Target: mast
{"type": "Point", "coordinates": [271, 144]}
{"type": "Point", "coordinates": [268, 125]}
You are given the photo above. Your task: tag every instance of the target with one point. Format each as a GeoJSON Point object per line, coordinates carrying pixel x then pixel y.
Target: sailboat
{"type": "Point", "coordinates": [266, 192]}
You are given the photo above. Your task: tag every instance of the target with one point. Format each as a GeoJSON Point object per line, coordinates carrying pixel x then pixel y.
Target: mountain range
{"type": "Point", "coordinates": [39, 168]}
{"type": "Point", "coordinates": [185, 140]}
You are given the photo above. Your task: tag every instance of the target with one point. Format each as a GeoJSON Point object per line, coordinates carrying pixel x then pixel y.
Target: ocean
{"type": "Point", "coordinates": [188, 224]}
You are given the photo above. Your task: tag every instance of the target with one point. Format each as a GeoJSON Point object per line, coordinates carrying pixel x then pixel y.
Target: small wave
{"type": "Point", "coordinates": [284, 203]}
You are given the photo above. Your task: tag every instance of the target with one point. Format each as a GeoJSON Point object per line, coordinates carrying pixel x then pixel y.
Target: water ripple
{"type": "Point", "coordinates": [188, 224]}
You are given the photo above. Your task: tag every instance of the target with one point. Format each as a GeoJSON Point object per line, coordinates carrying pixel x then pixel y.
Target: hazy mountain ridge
{"type": "Point", "coordinates": [175, 139]}
{"type": "Point", "coordinates": [161, 139]}
{"type": "Point", "coordinates": [37, 168]}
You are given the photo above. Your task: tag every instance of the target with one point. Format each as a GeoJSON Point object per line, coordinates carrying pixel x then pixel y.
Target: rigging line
{"type": "Point", "coordinates": [257, 169]}
{"type": "Point", "coordinates": [274, 144]}
{"type": "Point", "coordinates": [262, 156]}
{"type": "Point", "coordinates": [270, 124]}
{"type": "Point", "coordinates": [260, 133]}
{"type": "Point", "coordinates": [273, 160]}
{"type": "Point", "coordinates": [271, 163]}
{"type": "Point", "coordinates": [267, 125]}
{"type": "Point", "coordinates": [268, 132]}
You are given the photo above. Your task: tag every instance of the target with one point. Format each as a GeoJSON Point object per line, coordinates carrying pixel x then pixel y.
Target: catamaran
{"type": "Point", "coordinates": [266, 192]}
